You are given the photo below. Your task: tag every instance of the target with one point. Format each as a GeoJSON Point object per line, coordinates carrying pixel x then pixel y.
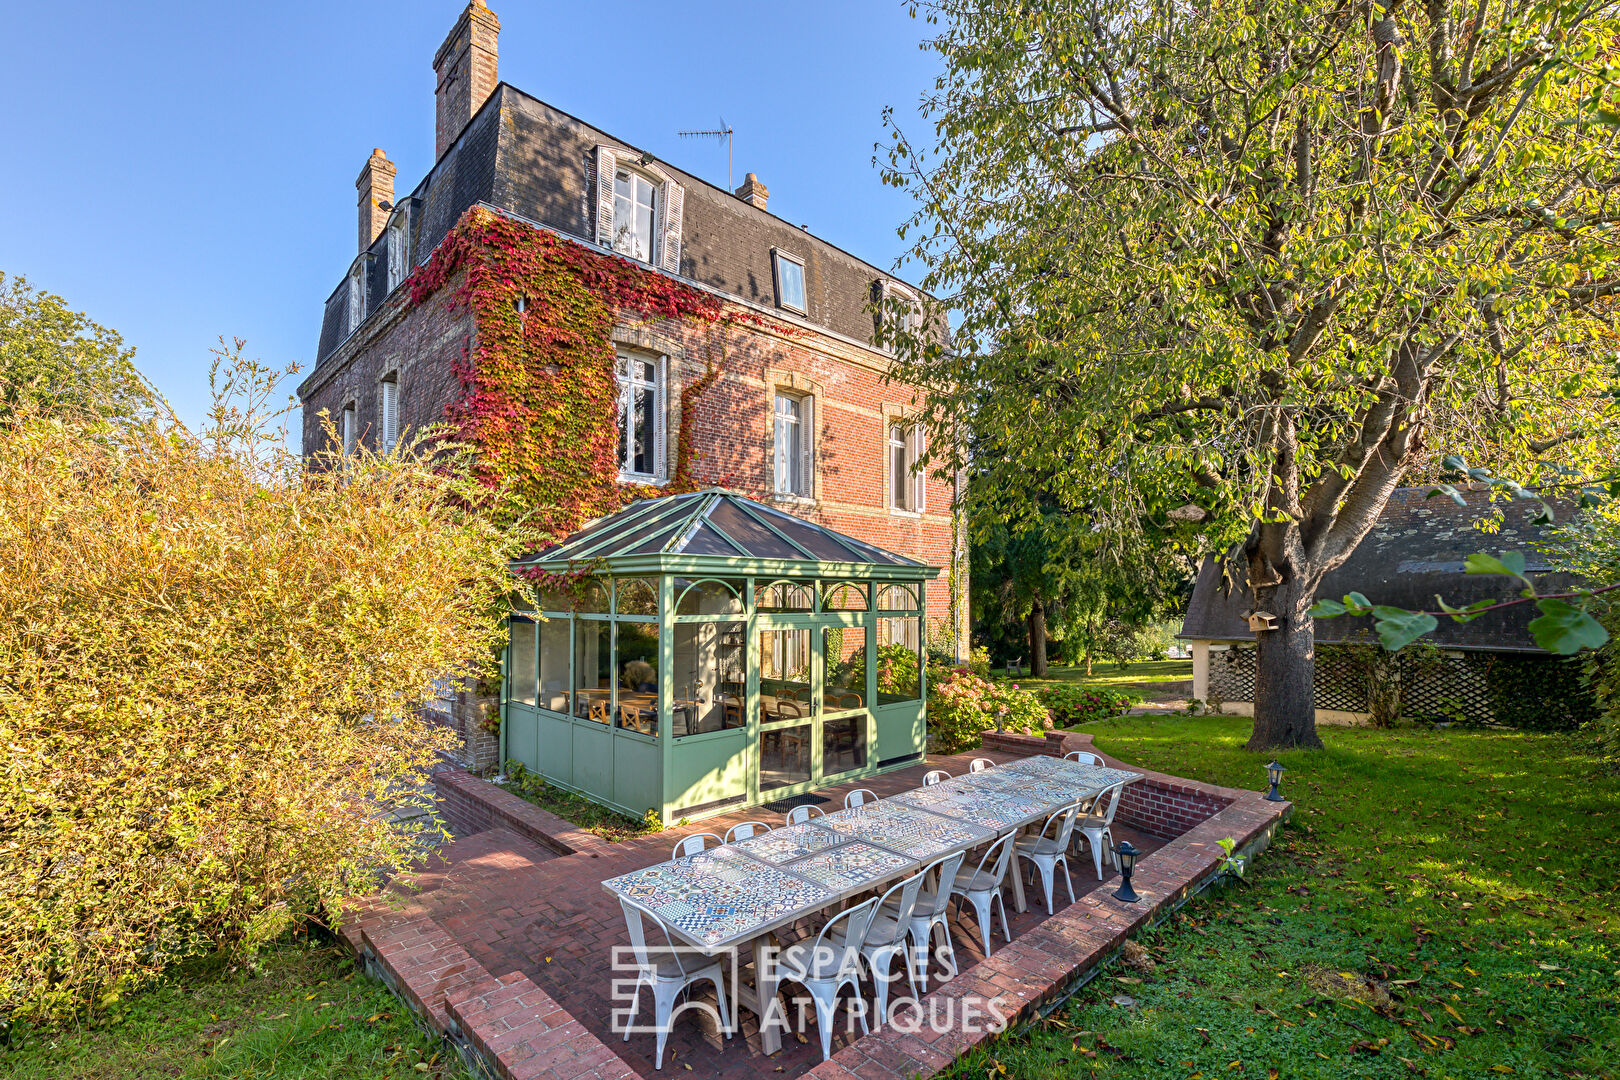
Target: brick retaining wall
{"type": "Point", "coordinates": [471, 805]}
{"type": "Point", "coordinates": [1162, 805]}
{"type": "Point", "coordinates": [511, 1028]}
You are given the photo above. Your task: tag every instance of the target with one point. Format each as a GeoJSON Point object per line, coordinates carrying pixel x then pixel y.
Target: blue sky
{"type": "Point", "coordinates": [184, 170]}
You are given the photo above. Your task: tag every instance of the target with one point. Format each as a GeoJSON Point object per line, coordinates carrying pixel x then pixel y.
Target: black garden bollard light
{"type": "Point", "coordinates": [1127, 866]}
{"type": "Point", "coordinates": [1274, 773]}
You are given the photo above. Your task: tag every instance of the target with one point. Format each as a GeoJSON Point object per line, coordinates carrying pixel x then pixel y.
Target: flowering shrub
{"type": "Point", "coordinates": [962, 704]}
{"type": "Point", "coordinates": [897, 671]}
{"type": "Point", "coordinates": [1071, 704]}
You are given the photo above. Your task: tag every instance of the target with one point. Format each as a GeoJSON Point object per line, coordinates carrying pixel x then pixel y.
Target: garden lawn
{"type": "Point", "coordinates": [306, 1013]}
{"type": "Point", "coordinates": [1442, 904]}
{"type": "Point", "coordinates": [1106, 673]}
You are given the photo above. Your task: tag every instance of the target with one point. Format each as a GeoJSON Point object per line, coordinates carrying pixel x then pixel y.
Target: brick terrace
{"type": "Point", "coordinates": [506, 945]}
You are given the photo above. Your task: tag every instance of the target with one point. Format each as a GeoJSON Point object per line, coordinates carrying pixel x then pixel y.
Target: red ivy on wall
{"type": "Point", "coordinates": [539, 393]}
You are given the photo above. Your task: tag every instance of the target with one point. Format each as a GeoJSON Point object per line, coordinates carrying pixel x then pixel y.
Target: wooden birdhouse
{"type": "Point", "coordinates": [1261, 621]}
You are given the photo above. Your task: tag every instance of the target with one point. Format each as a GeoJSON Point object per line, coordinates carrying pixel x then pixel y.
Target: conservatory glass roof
{"type": "Point", "coordinates": [716, 523]}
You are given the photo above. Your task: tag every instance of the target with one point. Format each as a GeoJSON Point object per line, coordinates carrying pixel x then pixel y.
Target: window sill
{"type": "Point", "coordinates": [898, 512]}
{"type": "Point", "coordinates": [792, 500]}
{"type": "Point", "coordinates": [639, 478]}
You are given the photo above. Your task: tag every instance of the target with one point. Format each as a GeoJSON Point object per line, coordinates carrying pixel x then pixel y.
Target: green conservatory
{"type": "Point", "coordinates": [713, 652]}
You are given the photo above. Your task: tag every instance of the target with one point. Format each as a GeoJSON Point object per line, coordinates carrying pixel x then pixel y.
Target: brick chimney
{"type": "Point", "coordinates": [375, 185]}
{"type": "Point", "coordinates": [753, 192]}
{"type": "Point", "coordinates": [465, 68]}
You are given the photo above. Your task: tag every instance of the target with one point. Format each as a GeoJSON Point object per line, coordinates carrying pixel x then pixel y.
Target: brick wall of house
{"type": "Point", "coordinates": [733, 440]}
{"type": "Point", "coordinates": [420, 345]}
{"type": "Point", "coordinates": [733, 437]}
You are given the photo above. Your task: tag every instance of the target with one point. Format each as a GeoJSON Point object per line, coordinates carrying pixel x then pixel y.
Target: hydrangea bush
{"type": "Point", "coordinates": [1071, 704]}
{"type": "Point", "coordinates": [962, 704]}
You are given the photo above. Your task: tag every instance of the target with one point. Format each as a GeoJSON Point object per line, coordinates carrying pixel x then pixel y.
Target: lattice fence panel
{"type": "Point", "coordinates": [1447, 688]}
{"type": "Point", "coordinates": [1525, 691]}
{"type": "Point", "coordinates": [1231, 675]}
{"type": "Point", "coordinates": [1340, 682]}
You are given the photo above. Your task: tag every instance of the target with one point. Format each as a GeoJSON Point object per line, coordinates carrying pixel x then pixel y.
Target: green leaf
{"type": "Point", "coordinates": [1463, 614]}
{"type": "Point", "coordinates": [1564, 628]}
{"type": "Point", "coordinates": [1398, 628]}
{"type": "Point", "coordinates": [1450, 492]}
{"type": "Point", "coordinates": [1327, 609]}
{"type": "Point", "coordinates": [1357, 603]}
{"type": "Point", "coordinates": [1510, 563]}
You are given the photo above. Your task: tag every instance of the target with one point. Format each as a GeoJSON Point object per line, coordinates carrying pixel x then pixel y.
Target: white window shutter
{"type": "Point", "coordinates": [807, 446]}
{"type": "Point", "coordinates": [390, 414]}
{"type": "Point", "coordinates": [607, 163]}
{"type": "Point", "coordinates": [674, 203]}
{"type": "Point", "coordinates": [661, 409]}
{"type": "Point", "coordinates": [922, 477]}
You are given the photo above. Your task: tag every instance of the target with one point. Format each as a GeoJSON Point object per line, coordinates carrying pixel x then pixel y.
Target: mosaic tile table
{"type": "Point", "coordinates": [741, 893]}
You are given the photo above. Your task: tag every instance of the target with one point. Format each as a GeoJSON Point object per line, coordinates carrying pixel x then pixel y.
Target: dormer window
{"type": "Point", "coordinates": [357, 297]}
{"type": "Point", "coordinates": [638, 208]}
{"type": "Point", "coordinates": [635, 209]}
{"type": "Point", "coordinates": [789, 281]}
{"type": "Point", "coordinates": [397, 239]}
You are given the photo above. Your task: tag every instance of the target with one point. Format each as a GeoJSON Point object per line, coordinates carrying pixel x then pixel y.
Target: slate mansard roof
{"type": "Point", "coordinates": [1414, 553]}
{"type": "Point", "coordinates": [525, 158]}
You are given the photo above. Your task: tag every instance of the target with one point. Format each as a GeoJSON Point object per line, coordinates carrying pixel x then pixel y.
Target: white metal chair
{"type": "Point", "coordinates": [1097, 826]}
{"type": "Point", "coordinates": [828, 964]}
{"type": "Point", "coordinates": [932, 903]}
{"type": "Point", "coordinates": [798, 815]}
{"type": "Point", "coordinates": [886, 939]}
{"type": "Point", "coordinates": [982, 885]}
{"type": "Point", "coordinates": [744, 829]}
{"type": "Point", "coordinates": [859, 797]}
{"type": "Point", "coordinates": [937, 776]}
{"type": "Point", "coordinates": [1045, 852]}
{"type": "Point", "coordinates": [665, 972]}
{"type": "Point", "coordinates": [1082, 758]}
{"type": "Point", "coordinates": [696, 843]}
{"type": "Point", "coordinates": [979, 764]}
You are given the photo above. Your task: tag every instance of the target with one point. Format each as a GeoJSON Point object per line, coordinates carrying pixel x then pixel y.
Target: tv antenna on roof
{"type": "Point", "coordinates": [725, 132]}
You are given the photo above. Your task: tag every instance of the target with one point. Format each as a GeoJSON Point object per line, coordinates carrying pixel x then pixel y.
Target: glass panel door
{"type": "Point", "coordinates": [787, 711]}
{"type": "Point", "coordinates": [843, 660]}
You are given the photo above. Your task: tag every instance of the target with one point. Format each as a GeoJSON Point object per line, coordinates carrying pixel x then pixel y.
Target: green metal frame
{"type": "Point", "coordinates": [721, 763]}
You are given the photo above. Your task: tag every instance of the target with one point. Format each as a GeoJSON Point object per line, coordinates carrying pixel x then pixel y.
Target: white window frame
{"type": "Point", "coordinates": [778, 257]}
{"type": "Point", "coordinates": [907, 497]}
{"type": "Point", "coordinates": [913, 319]}
{"type": "Point", "coordinates": [398, 238]}
{"type": "Point", "coordinates": [388, 410]}
{"type": "Point", "coordinates": [669, 201]}
{"type": "Point", "coordinates": [795, 478]}
{"type": "Point", "coordinates": [654, 208]}
{"type": "Point", "coordinates": [355, 312]}
{"type": "Point", "coordinates": [349, 428]}
{"type": "Point", "coordinates": [624, 371]}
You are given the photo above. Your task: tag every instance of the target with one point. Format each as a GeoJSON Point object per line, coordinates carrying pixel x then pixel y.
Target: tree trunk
{"type": "Point", "coordinates": [1088, 661]}
{"type": "Point", "coordinates": [1037, 640]}
{"type": "Point", "coordinates": [1285, 668]}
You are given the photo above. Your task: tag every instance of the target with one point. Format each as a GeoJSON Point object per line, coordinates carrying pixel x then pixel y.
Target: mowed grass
{"type": "Point", "coordinates": [305, 1013]}
{"type": "Point", "coordinates": [1107, 673]}
{"type": "Point", "coordinates": [1443, 904]}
